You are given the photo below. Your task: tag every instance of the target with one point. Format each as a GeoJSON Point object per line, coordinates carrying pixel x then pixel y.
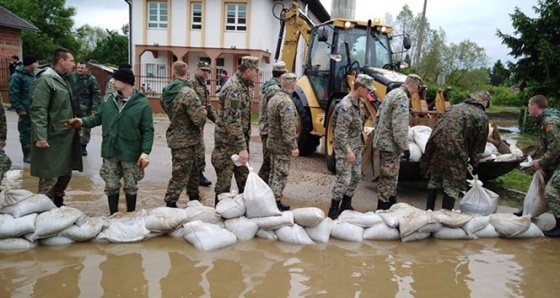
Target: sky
{"type": "Point", "coordinates": [475, 20]}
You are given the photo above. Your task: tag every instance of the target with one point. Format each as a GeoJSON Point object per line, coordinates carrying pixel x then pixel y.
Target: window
{"type": "Point", "coordinates": [157, 15]}
{"type": "Point", "coordinates": [220, 62]}
{"type": "Point", "coordinates": [156, 70]}
{"type": "Point", "coordinates": [196, 21]}
{"type": "Point", "coordinates": [236, 17]}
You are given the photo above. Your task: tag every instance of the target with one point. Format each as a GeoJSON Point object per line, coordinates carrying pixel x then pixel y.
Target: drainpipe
{"type": "Point", "coordinates": [129, 2]}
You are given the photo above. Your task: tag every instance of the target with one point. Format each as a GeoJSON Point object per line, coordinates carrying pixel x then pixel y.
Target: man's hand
{"type": "Point", "coordinates": [2, 144]}
{"type": "Point", "coordinates": [42, 144]}
{"type": "Point", "coordinates": [73, 123]}
{"type": "Point", "coordinates": [143, 162]}
{"type": "Point", "coordinates": [295, 153]}
{"type": "Point", "coordinates": [243, 156]}
{"type": "Point", "coordinates": [21, 113]}
{"type": "Point", "coordinates": [536, 165]}
{"type": "Point", "coordinates": [350, 157]}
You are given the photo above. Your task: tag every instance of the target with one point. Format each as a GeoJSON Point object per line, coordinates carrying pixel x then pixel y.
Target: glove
{"type": "Point", "coordinates": [73, 123]}
{"type": "Point", "coordinates": [406, 155]}
{"type": "Point", "coordinates": [143, 161]}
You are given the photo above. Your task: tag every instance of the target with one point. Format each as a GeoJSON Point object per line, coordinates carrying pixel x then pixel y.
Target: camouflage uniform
{"type": "Point", "coordinates": [108, 89]}
{"type": "Point", "coordinates": [282, 139]}
{"type": "Point", "coordinates": [233, 128]}
{"type": "Point", "coordinates": [87, 96]}
{"type": "Point", "coordinates": [460, 134]}
{"type": "Point", "coordinates": [20, 98]}
{"type": "Point", "coordinates": [348, 122]}
{"type": "Point", "coordinates": [114, 169]}
{"type": "Point", "coordinates": [268, 90]}
{"type": "Point", "coordinates": [391, 139]}
{"type": "Point", "coordinates": [5, 161]}
{"type": "Point", "coordinates": [549, 150]}
{"type": "Point", "coordinates": [188, 116]}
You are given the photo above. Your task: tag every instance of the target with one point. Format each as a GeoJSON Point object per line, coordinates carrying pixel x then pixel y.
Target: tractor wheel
{"type": "Point", "coordinates": [330, 157]}
{"type": "Point", "coordinates": [307, 143]}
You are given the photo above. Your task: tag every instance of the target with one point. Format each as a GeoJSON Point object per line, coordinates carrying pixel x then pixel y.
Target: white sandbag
{"type": "Point", "coordinates": [451, 234]}
{"type": "Point", "coordinates": [17, 244]}
{"type": "Point", "coordinates": [165, 219]}
{"type": "Point", "coordinates": [56, 220]}
{"type": "Point", "coordinates": [516, 152]}
{"type": "Point", "coordinates": [364, 220]}
{"type": "Point", "coordinates": [322, 231]}
{"type": "Point", "coordinates": [421, 135]}
{"type": "Point", "coordinates": [410, 135]}
{"type": "Point", "coordinates": [267, 234]}
{"type": "Point", "coordinates": [415, 151]}
{"type": "Point", "coordinates": [177, 233]}
{"type": "Point", "coordinates": [56, 241]}
{"type": "Point", "coordinates": [10, 197]}
{"type": "Point", "coordinates": [207, 236]}
{"type": "Point", "coordinates": [431, 227]}
{"type": "Point", "coordinates": [348, 232]}
{"type": "Point", "coordinates": [509, 225]}
{"type": "Point", "coordinates": [506, 157]}
{"type": "Point", "coordinates": [390, 218]}
{"type": "Point", "coordinates": [532, 232]}
{"type": "Point", "coordinates": [11, 227]}
{"type": "Point", "coordinates": [415, 237]}
{"type": "Point", "coordinates": [286, 218]}
{"type": "Point", "coordinates": [34, 204]}
{"type": "Point", "coordinates": [452, 219]}
{"type": "Point", "coordinates": [476, 224]}
{"type": "Point", "coordinates": [489, 158]}
{"type": "Point", "coordinates": [242, 227]}
{"type": "Point", "coordinates": [535, 202]}
{"type": "Point", "coordinates": [194, 203]}
{"type": "Point", "coordinates": [413, 219]}
{"type": "Point", "coordinates": [489, 149]}
{"type": "Point", "coordinates": [478, 200]}
{"type": "Point", "coordinates": [308, 217]}
{"type": "Point", "coordinates": [125, 228]}
{"type": "Point", "coordinates": [85, 232]}
{"type": "Point", "coordinates": [203, 213]}
{"type": "Point", "coordinates": [487, 232]}
{"type": "Point", "coordinates": [381, 232]}
{"type": "Point", "coordinates": [154, 235]}
{"type": "Point", "coordinates": [231, 207]}
{"type": "Point", "coordinates": [259, 198]}
{"type": "Point", "coordinates": [293, 234]}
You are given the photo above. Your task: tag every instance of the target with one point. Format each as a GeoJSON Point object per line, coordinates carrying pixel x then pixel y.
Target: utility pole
{"type": "Point", "coordinates": [420, 37]}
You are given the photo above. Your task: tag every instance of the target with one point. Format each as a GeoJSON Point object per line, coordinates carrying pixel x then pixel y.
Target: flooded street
{"type": "Point", "coordinates": [171, 267]}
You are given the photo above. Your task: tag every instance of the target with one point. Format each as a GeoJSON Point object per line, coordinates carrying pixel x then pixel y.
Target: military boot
{"type": "Point", "coordinates": [171, 204]}
{"type": "Point", "coordinates": [346, 204]}
{"type": "Point", "coordinates": [84, 151]}
{"type": "Point", "coordinates": [130, 203]}
{"type": "Point", "coordinates": [392, 201]}
{"type": "Point", "coordinates": [448, 202]}
{"type": "Point", "coordinates": [216, 201]}
{"type": "Point", "coordinates": [202, 181]}
{"type": "Point", "coordinates": [26, 149]}
{"type": "Point", "coordinates": [432, 197]}
{"type": "Point", "coordinates": [281, 206]}
{"type": "Point", "coordinates": [554, 232]}
{"type": "Point", "coordinates": [113, 201]}
{"type": "Point", "coordinates": [334, 210]}
{"type": "Point", "coordinates": [518, 213]}
{"type": "Point", "coordinates": [381, 205]}
{"type": "Point", "coordinates": [58, 201]}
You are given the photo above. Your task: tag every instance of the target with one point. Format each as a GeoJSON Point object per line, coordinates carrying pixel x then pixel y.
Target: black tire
{"type": "Point", "coordinates": [330, 156]}
{"type": "Point", "coordinates": [307, 143]}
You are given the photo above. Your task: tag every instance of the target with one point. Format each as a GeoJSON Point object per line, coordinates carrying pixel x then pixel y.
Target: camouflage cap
{"type": "Point", "coordinates": [204, 65]}
{"type": "Point", "coordinates": [288, 77]}
{"type": "Point", "coordinates": [279, 66]}
{"type": "Point", "coordinates": [483, 95]}
{"type": "Point", "coordinates": [417, 78]}
{"type": "Point", "coordinates": [366, 80]}
{"type": "Point", "coordinates": [250, 61]}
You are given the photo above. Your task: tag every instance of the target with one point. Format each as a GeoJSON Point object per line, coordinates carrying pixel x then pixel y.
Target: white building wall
{"type": "Point", "coordinates": [213, 18]}
{"type": "Point", "coordinates": [178, 23]}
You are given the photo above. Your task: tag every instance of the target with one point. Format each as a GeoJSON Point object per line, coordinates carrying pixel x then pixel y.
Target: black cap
{"type": "Point", "coordinates": [124, 75]}
{"type": "Point", "coordinates": [29, 59]}
{"type": "Point", "coordinates": [125, 66]}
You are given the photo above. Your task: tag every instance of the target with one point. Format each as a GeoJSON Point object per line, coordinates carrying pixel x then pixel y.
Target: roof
{"type": "Point", "coordinates": [318, 10]}
{"type": "Point", "coordinates": [10, 20]}
{"type": "Point", "coordinates": [106, 68]}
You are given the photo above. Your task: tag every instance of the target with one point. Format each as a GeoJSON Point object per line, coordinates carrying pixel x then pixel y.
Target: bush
{"type": "Point", "coordinates": [503, 96]}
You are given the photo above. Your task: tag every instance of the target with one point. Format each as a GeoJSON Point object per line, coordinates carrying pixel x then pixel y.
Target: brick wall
{"type": "Point", "coordinates": [10, 44]}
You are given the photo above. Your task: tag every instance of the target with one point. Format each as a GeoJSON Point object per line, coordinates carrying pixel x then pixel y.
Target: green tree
{"type": "Point", "coordinates": [535, 46]}
{"type": "Point", "coordinates": [461, 58]}
{"type": "Point", "coordinates": [499, 74]}
{"type": "Point", "coordinates": [111, 49]}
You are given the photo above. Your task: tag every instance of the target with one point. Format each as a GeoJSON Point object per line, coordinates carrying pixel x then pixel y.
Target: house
{"type": "Point", "coordinates": [10, 44]}
{"type": "Point", "coordinates": [217, 31]}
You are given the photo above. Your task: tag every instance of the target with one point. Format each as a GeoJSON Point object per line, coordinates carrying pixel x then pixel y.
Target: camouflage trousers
{"type": "Point", "coordinates": [264, 171]}
{"type": "Point", "coordinates": [552, 193]}
{"type": "Point", "coordinates": [222, 163]}
{"type": "Point", "coordinates": [389, 174]}
{"type": "Point", "coordinates": [201, 153]}
{"type": "Point", "coordinates": [280, 168]}
{"type": "Point", "coordinates": [184, 174]}
{"type": "Point", "coordinates": [86, 132]}
{"type": "Point", "coordinates": [5, 163]}
{"type": "Point", "coordinates": [347, 176]}
{"type": "Point", "coordinates": [54, 186]}
{"type": "Point", "coordinates": [24, 128]}
{"type": "Point", "coordinates": [438, 181]}
{"type": "Point", "coordinates": [113, 170]}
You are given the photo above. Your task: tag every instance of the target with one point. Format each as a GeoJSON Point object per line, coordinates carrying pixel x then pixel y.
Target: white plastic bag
{"type": "Point", "coordinates": [535, 202]}
{"type": "Point", "coordinates": [479, 200]}
{"type": "Point", "coordinates": [259, 198]}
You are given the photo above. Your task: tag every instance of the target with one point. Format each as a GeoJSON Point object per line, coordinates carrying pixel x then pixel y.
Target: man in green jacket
{"type": "Point", "coordinates": [56, 151]}
{"type": "Point", "coordinates": [5, 161]}
{"type": "Point", "coordinates": [19, 94]}
{"type": "Point", "coordinates": [128, 134]}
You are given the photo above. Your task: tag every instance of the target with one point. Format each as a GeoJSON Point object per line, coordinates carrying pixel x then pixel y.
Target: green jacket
{"type": "Point", "coordinates": [127, 132]}
{"type": "Point", "coordinates": [51, 104]}
{"type": "Point", "coordinates": [19, 89]}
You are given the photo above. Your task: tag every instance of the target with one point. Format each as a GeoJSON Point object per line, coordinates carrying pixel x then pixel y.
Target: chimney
{"type": "Point", "coordinates": [343, 9]}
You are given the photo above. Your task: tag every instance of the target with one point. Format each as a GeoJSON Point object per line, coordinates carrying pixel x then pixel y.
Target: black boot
{"type": "Point", "coordinates": [346, 204]}
{"type": "Point", "coordinates": [554, 232]}
{"type": "Point", "coordinates": [84, 151]}
{"type": "Point", "coordinates": [334, 210]}
{"type": "Point", "coordinates": [282, 207]}
{"type": "Point", "coordinates": [392, 201]}
{"type": "Point", "coordinates": [26, 149]}
{"type": "Point", "coordinates": [518, 213]}
{"type": "Point", "coordinates": [432, 197]}
{"type": "Point", "coordinates": [203, 181]}
{"type": "Point", "coordinates": [130, 203]}
{"type": "Point", "coordinates": [448, 202]}
{"type": "Point", "coordinates": [382, 205]}
{"type": "Point", "coordinates": [113, 201]}
{"type": "Point", "coordinates": [216, 201]}
{"type": "Point", "coordinates": [58, 201]}
{"type": "Point", "coordinates": [171, 204]}
{"type": "Point", "coordinates": [194, 198]}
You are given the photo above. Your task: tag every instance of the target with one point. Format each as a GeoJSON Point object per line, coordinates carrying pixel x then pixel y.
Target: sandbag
{"type": "Point", "coordinates": [87, 231]}
{"type": "Point", "coordinates": [535, 202]}
{"type": "Point", "coordinates": [487, 232]}
{"type": "Point", "coordinates": [415, 152]}
{"type": "Point", "coordinates": [17, 244]}
{"type": "Point", "coordinates": [231, 207]}
{"type": "Point", "coordinates": [286, 218]}
{"type": "Point", "coordinates": [452, 219]}
{"type": "Point", "coordinates": [532, 232]}
{"type": "Point", "coordinates": [412, 219]}
{"type": "Point", "coordinates": [390, 218]}
{"type": "Point", "coordinates": [421, 135]}
{"type": "Point", "coordinates": [125, 228]}
{"type": "Point", "coordinates": [431, 227]}
{"type": "Point", "coordinates": [308, 217]}
{"type": "Point", "coordinates": [242, 227]}
{"type": "Point", "coordinates": [364, 220]}
{"type": "Point", "coordinates": [177, 233]}
{"type": "Point", "coordinates": [322, 231]}
{"type": "Point", "coordinates": [202, 213]}
{"type": "Point", "coordinates": [478, 200]}
{"type": "Point", "coordinates": [207, 236]}
{"type": "Point", "coordinates": [509, 225]}
{"type": "Point", "coordinates": [381, 232]}
{"type": "Point", "coordinates": [266, 234]}
{"type": "Point", "coordinates": [56, 241]}
{"type": "Point", "coordinates": [10, 197]}
{"type": "Point", "coordinates": [56, 220]}
{"type": "Point", "coordinates": [259, 198]}
{"type": "Point", "coordinates": [34, 204]}
{"type": "Point", "coordinates": [348, 232]}
{"type": "Point", "coordinates": [451, 234]}
{"type": "Point", "coordinates": [415, 237]}
{"type": "Point", "coordinates": [165, 219]}
{"type": "Point", "coordinates": [293, 234]}
{"type": "Point", "coordinates": [476, 224]}
{"type": "Point", "coordinates": [489, 149]}
{"type": "Point", "coordinates": [11, 227]}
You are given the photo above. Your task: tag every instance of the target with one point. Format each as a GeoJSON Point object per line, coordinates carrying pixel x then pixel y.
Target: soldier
{"type": "Point", "coordinates": [56, 151]}
{"type": "Point", "coordinates": [19, 93]}
{"type": "Point", "coordinates": [233, 128]}
{"type": "Point", "coordinates": [5, 161]}
{"type": "Point", "coordinates": [86, 95]}
{"type": "Point", "coordinates": [128, 134]}
{"type": "Point", "coordinates": [348, 122]}
{"type": "Point", "coordinates": [282, 136]}
{"type": "Point", "coordinates": [391, 138]}
{"type": "Point", "coordinates": [109, 86]}
{"type": "Point", "coordinates": [458, 137]}
{"type": "Point", "coordinates": [14, 63]}
{"type": "Point", "coordinates": [268, 89]}
{"type": "Point", "coordinates": [187, 114]}
{"type": "Point", "coordinates": [199, 85]}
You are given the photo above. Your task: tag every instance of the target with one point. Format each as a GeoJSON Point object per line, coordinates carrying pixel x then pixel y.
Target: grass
{"type": "Point", "coordinates": [254, 117]}
{"type": "Point", "coordinates": [511, 187]}
{"type": "Point", "coordinates": [502, 109]}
